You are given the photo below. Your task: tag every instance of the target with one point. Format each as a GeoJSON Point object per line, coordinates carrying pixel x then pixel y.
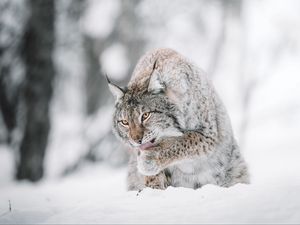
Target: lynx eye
{"type": "Point", "coordinates": [145, 116]}
{"type": "Point", "coordinates": [124, 123]}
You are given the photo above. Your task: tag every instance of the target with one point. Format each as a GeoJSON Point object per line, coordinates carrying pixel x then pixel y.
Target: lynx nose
{"type": "Point", "coordinates": [138, 140]}
{"type": "Point", "coordinates": [136, 134]}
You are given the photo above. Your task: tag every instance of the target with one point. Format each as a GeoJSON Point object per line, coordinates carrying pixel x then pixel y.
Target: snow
{"type": "Point", "coordinates": [7, 166]}
{"type": "Point", "coordinates": [97, 195]}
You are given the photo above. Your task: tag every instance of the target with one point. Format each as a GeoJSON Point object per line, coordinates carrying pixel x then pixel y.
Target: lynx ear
{"type": "Point", "coordinates": [155, 84]}
{"type": "Point", "coordinates": [117, 92]}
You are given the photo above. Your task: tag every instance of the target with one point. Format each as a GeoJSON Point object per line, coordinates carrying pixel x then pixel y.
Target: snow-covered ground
{"type": "Point", "coordinates": [99, 196]}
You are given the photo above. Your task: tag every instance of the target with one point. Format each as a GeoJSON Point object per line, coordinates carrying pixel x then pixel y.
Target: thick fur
{"type": "Point", "coordinates": [194, 142]}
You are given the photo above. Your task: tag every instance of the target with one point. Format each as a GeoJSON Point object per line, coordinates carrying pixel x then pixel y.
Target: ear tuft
{"type": "Point", "coordinates": [117, 92]}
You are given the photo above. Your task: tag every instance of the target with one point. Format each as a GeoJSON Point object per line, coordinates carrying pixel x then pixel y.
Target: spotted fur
{"type": "Point", "coordinates": [193, 139]}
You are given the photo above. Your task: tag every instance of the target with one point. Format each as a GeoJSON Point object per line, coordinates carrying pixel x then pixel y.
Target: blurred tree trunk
{"type": "Point", "coordinates": [129, 32]}
{"type": "Point", "coordinates": [8, 109]}
{"type": "Point", "coordinates": [247, 82]}
{"type": "Point", "coordinates": [13, 17]}
{"type": "Point", "coordinates": [218, 48]}
{"type": "Point", "coordinates": [38, 50]}
{"type": "Point", "coordinates": [95, 81]}
{"type": "Point", "coordinates": [126, 32]}
{"type": "Point", "coordinates": [229, 9]}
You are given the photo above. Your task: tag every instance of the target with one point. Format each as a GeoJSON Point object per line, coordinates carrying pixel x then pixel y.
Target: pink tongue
{"type": "Point", "coordinates": [146, 145]}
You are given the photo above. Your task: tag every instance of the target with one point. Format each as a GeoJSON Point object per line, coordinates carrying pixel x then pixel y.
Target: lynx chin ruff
{"type": "Point", "coordinates": [176, 126]}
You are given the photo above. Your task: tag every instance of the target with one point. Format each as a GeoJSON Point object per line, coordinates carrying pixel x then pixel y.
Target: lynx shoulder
{"type": "Point", "coordinates": [176, 126]}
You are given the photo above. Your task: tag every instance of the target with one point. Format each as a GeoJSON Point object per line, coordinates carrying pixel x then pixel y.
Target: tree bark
{"type": "Point", "coordinates": [95, 81]}
{"type": "Point", "coordinates": [38, 50]}
{"type": "Point", "coordinates": [13, 15]}
{"type": "Point", "coordinates": [6, 107]}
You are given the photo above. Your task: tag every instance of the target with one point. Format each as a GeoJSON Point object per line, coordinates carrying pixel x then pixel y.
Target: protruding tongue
{"type": "Point", "coordinates": [146, 145]}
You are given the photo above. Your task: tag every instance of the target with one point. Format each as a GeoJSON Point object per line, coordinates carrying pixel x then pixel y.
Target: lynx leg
{"type": "Point", "coordinates": [159, 181]}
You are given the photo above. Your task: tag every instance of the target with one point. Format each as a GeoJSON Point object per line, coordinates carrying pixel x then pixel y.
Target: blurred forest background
{"type": "Point", "coordinates": [56, 109]}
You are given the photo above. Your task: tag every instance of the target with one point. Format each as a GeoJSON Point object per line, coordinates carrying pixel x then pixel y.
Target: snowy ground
{"type": "Point", "coordinates": [97, 194]}
{"type": "Point", "coordinates": [99, 197]}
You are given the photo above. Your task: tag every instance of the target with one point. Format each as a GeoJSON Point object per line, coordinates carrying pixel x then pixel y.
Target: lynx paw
{"type": "Point", "coordinates": [147, 163]}
{"type": "Point", "coordinates": [158, 181]}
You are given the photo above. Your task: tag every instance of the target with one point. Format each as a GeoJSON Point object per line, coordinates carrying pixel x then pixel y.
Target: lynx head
{"type": "Point", "coordinates": [143, 115]}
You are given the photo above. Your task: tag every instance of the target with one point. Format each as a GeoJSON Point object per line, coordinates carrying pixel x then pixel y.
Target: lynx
{"type": "Point", "coordinates": [176, 126]}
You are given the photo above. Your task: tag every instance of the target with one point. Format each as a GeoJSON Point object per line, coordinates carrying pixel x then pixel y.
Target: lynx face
{"type": "Point", "coordinates": [142, 119]}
